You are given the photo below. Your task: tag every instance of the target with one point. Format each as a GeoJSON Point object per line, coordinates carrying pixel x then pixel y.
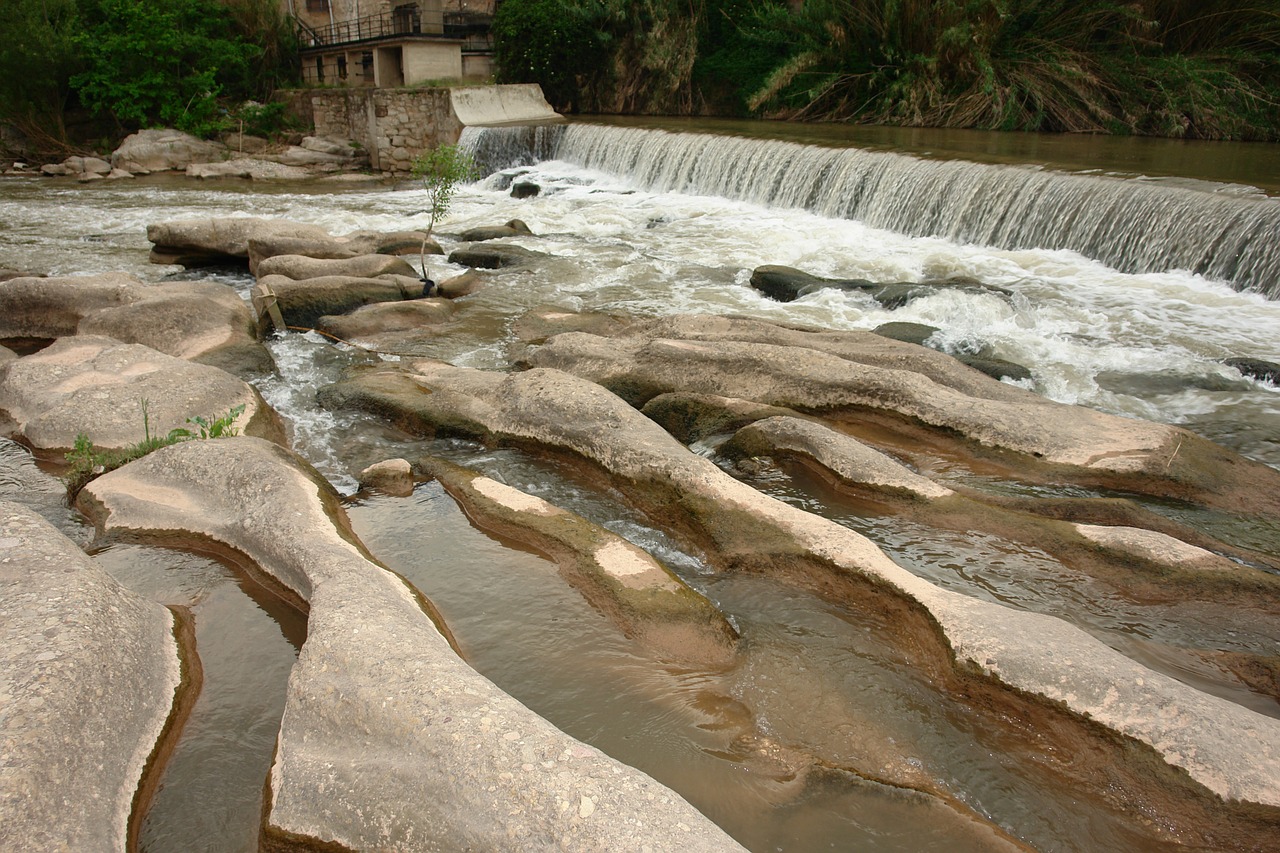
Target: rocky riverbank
{"type": "Point", "coordinates": [390, 740]}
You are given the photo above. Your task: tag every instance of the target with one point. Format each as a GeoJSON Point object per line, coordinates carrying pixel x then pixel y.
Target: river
{"type": "Point", "coordinates": [648, 223]}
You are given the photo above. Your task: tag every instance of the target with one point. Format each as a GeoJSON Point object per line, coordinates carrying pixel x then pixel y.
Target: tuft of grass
{"type": "Point", "coordinates": [88, 462]}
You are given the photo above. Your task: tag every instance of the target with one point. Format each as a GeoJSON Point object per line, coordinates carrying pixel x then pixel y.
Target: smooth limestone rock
{"type": "Point", "coordinates": [300, 267]}
{"type": "Point", "coordinates": [455, 287]}
{"type": "Point", "coordinates": [352, 245]}
{"type": "Point", "coordinates": [389, 323]}
{"type": "Point", "coordinates": [89, 677]}
{"type": "Point", "coordinates": [198, 321]}
{"type": "Point", "coordinates": [695, 417]}
{"type": "Point", "coordinates": [644, 598]}
{"type": "Point", "coordinates": [389, 741]}
{"type": "Point", "coordinates": [247, 167]}
{"type": "Point", "coordinates": [1154, 547]}
{"type": "Point", "coordinates": [220, 240]}
{"type": "Point", "coordinates": [1230, 750]}
{"type": "Point", "coordinates": [391, 476]}
{"type": "Point", "coordinates": [96, 385]}
{"type": "Point", "coordinates": [162, 150]}
{"type": "Point", "coordinates": [850, 459]}
{"type": "Point", "coordinates": [1089, 446]}
{"type": "Point", "coordinates": [304, 302]}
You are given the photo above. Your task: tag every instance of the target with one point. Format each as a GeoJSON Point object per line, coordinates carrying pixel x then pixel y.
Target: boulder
{"type": "Point", "coordinates": [97, 385]}
{"type": "Point", "coordinates": [525, 189]}
{"type": "Point", "coordinates": [372, 322]}
{"type": "Point", "coordinates": [392, 477]}
{"type": "Point", "coordinates": [455, 287]}
{"type": "Point", "coordinates": [996, 368]}
{"type": "Point", "coordinates": [243, 143]}
{"type": "Point", "coordinates": [220, 240]}
{"type": "Point", "coordinates": [303, 303]}
{"type": "Point", "coordinates": [1000, 654]}
{"type": "Point", "coordinates": [513, 228]}
{"type": "Point", "coordinates": [787, 284]}
{"type": "Point", "coordinates": [388, 741]}
{"type": "Point", "coordinates": [911, 333]}
{"type": "Point", "coordinates": [494, 256]}
{"type": "Point", "coordinates": [537, 325]}
{"type": "Point", "coordinates": [90, 676]}
{"type": "Point", "coordinates": [119, 174]}
{"type": "Point", "coordinates": [247, 167]}
{"type": "Point", "coordinates": [1256, 368]}
{"type": "Point", "coordinates": [163, 150]}
{"type": "Point", "coordinates": [322, 153]}
{"type": "Point", "coordinates": [336, 248]}
{"type": "Point", "coordinates": [300, 267]}
{"type": "Point", "coordinates": [644, 598]}
{"type": "Point", "coordinates": [54, 170]}
{"type": "Point", "coordinates": [695, 417]}
{"type": "Point", "coordinates": [198, 321]}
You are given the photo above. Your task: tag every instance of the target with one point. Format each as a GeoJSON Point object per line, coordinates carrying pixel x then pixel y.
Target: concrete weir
{"type": "Point", "coordinates": [389, 740]}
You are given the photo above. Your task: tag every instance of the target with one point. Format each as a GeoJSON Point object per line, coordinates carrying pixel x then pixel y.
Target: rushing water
{"type": "Point", "coordinates": [644, 227]}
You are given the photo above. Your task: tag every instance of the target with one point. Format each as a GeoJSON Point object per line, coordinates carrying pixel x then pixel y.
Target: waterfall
{"type": "Point", "coordinates": [1129, 224]}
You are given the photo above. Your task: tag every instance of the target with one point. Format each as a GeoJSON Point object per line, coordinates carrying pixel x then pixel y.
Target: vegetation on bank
{"type": "Point", "coordinates": [198, 65]}
{"type": "Point", "coordinates": [1205, 69]}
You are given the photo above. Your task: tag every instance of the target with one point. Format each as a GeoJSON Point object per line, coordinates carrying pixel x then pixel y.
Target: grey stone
{"type": "Point", "coordinates": [388, 740]}
{"type": "Point", "coordinates": [163, 149]}
{"type": "Point", "coordinates": [303, 303]}
{"type": "Point", "coordinates": [81, 709]}
{"type": "Point", "coordinates": [362, 266]}
{"type": "Point", "coordinates": [247, 167]}
{"type": "Point", "coordinates": [373, 323]}
{"type": "Point", "coordinates": [1028, 652]}
{"type": "Point", "coordinates": [95, 385]}
{"type": "Point", "coordinates": [513, 228]}
{"type": "Point", "coordinates": [493, 256]}
{"type": "Point", "coordinates": [220, 240]}
{"type": "Point", "coordinates": [198, 321]}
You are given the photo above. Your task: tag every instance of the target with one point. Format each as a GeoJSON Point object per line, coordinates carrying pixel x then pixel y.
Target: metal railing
{"type": "Point", "coordinates": [401, 22]}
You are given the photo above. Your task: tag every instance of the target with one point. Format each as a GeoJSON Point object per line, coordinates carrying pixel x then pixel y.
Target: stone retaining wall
{"type": "Point", "coordinates": [394, 125]}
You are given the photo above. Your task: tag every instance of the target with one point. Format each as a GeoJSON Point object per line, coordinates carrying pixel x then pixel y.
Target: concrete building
{"type": "Point", "coordinates": [393, 43]}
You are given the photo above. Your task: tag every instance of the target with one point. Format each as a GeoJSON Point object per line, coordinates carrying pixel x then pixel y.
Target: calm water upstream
{"type": "Point", "coordinates": [644, 238]}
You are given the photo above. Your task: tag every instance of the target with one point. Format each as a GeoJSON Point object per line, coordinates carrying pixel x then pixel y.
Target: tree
{"type": "Point", "coordinates": [549, 42]}
{"type": "Point", "coordinates": [163, 62]}
{"type": "Point", "coordinates": [36, 65]}
{"type": "Point", "coordinates": [442, 170]}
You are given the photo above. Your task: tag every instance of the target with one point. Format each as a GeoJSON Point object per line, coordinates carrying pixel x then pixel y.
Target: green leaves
{"type": "Point", "coordinates": [442, 169]}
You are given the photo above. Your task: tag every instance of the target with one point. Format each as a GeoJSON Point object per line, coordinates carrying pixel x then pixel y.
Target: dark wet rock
{"type": "Point", "coordinates": [220, 240]}
{"type": "Point", "coordinates": [647, 601]}
{"type": "Point", "coordinates": [693, 417]}
{"type": "Point", "coordinates": [299, 267]}
{"type": "Point", "coordinates": [456, 762]}
{"type": "Point", "coordinates": [1149, 384]}
{"type": "Point", "coordinates": [303, 303]}
{"type": "Point", "coordinates": [455, 287]}
{"type": "Point", "coordinates": [372, 323]}
{"type": "Point", "coordinates": [895, 295]}
{"type": "Point", "coordinates": [89, 676]}
{"type": "Point", "coordinates": [198, 321]}
{"type": "Point", "coordinates": [745, 529]}
{"type": "Point", "coordinates": [95, 385]}
{"type": "Point", "coordinates": [787, 284]}
{"type": "Point", "coordinates": [1256, 368]}
{"type": "Point", "coordinates": [494, 256]}
{"type": "Point", "coordinates": [162, 150]}
{"type": "Point", "coordinates": [911, 333]}
{"type": "Point", "coordinates": [996, 368]}
{"type": "Point", "coordinates": [699, 355]}
{"type": "Point", "coordinates": [525, 189]}
{"type": "Point", "coordinates": [513, 228]}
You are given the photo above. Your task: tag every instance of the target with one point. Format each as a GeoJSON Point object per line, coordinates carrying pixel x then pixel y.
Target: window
{"type": "Point", "coordinates": [317, 5]}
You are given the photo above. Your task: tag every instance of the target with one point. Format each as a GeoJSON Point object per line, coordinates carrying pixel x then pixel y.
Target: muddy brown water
{"type": "Point", "coordinates": [767, 747]}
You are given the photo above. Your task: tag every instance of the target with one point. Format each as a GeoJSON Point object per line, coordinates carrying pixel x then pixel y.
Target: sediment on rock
{"type": "Point", "coordinates": [645, 599]}
{"type": "Point", "coordinates": [377, 686]}
{"type": "Point", "coordinates": [999, 657]}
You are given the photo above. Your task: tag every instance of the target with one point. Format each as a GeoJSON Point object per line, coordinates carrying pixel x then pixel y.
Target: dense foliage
{"type": "Point", "coordinates": [140, 63]}
{"type": "Point", "coordinates": [1193, 68]}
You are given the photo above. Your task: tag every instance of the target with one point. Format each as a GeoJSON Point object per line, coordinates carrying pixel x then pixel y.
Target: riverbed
{"type": "Point", "coordinates": [1147, 344]}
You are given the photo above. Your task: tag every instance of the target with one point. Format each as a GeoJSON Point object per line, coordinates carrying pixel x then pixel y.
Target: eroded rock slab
{"type": "Point", "coordinates": [709, 357]}
{"type": "Point", "coordinates": [302, 303]}
{"type": "Point", "coordinates": [362, 266]}
{"type": "Point", "coordinates": [639, 594]}
{"type": "Point", "coordinates": [220, 240]}
{"type": "Point", "coordinates": [89, 674]}
{"type": "Point", "coordinates": [389, 740]}
{"type": "Point", "coordinates": [1231, 751]}
{"type": "Point", "coordinates": [96, 385]}
{"type": "Point", "coordinates": [198, 321]}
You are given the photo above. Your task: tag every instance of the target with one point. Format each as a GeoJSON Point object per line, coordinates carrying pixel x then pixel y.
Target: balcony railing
{"type": "Point", "coordinates": [401, 22]}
